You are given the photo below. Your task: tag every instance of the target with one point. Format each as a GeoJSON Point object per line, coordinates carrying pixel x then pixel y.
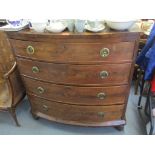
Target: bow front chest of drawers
{"type": "Point", "coordinates": [80, 79]}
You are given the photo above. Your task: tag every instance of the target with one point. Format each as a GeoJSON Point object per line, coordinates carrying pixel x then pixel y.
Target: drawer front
{"type": "Point", "coordinates": [74, 52]}
{"type": "Point", "coordinates": [77, 95]}
{"type": "Point", "coordinates": [74, 113]}
{"type": "Point", "coordinates": [105, 74]}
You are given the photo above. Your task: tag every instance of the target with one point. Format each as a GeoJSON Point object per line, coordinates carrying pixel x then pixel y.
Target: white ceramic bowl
{"type": "Point", "coordinates": [120, 25]}
{"type": "Point", "coordinates": [95, 23]}
{"type": "Point", "coordinates": [38, 27]}
{"type": "Point", "coordinates": [56, 27]}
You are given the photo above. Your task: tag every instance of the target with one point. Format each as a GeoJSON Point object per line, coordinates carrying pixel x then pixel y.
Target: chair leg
{"type": "Point", "coordinates": [148, 111]}
{"type": "Point", "coordinates": [139, 72]}
{"type": "Point", "coordinates": [140, 97]}
{"type": "Point", "coordinates": [147, 103]}
{"type": "Point", "coordinates": [151, 117]}
{"type": "Point", "coordinates": [136, 87]}
{"type": "Point", "coordinates": [12, 111]}
{"type": "Point", "coordinates": [146, 108]}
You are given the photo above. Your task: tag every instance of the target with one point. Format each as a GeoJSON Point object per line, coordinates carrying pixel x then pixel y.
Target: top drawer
{"type": "Point", "coordinates": [74, 52]}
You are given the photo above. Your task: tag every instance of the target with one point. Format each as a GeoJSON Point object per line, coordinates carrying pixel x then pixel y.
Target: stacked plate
{"type": "Point", "coordinates": [15, 25]}
{"type": "Point", "coordinates": [95, 26]}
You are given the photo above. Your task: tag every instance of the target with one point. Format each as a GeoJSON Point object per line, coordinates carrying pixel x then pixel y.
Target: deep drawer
{"type": "Point", "coordinates": [74, 113]}
{"type": "Point", "coordinates": [75, 52]}
{"type": "Point", "coordinates": [77, 95]}
{"type": "Point", "coordinates": [93, 75]}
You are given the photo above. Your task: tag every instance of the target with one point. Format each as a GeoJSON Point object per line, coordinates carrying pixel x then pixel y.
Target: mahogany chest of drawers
{"type": "Point", "coordinates": [80, 79]}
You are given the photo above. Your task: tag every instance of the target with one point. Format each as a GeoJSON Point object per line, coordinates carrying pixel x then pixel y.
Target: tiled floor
{"type": "Point", "coordinates": [135, 123]}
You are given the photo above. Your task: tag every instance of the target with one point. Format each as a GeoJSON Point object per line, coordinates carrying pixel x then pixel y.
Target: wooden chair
{"type": "Point", "coordinates": [11, 87]}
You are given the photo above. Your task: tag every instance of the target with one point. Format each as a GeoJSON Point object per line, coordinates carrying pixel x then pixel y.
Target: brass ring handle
{"type": "Point", "coordinates": [104, 74]}
{"type": "Point", "coordinates": [101, 96]}
{"type": "Point", "coordinates": [30, 49]}
{"type": "Point", "coordinates": [45, 107]}
{"type": "Point", "coordinates": [100, 114]}
{"type": "Point", "coordinates": [104, 52]}
{"type": "Point", "coordinates": [35, 69]}
{"type": "Point", "coordinates": [40, 90]}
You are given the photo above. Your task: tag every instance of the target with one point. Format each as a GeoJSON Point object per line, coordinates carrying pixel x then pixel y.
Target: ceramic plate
{"type": "Point", "coordinates": [95, 29]}
{"type": "Point", "coordinates": [55, 30]}
{"type": "Point", "coordinates": [11, 28]}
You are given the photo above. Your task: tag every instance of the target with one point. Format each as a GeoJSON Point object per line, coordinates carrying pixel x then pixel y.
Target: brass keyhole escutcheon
{"type": "Point", "coordinates": [101, 96]}
{"type": "Point", "coordinates": [104, 52]}
{"type": "Point", "coordinates": [30, 49]}
{"type": "Point", "coordinates": [104, 74]}
{"type": "Point", "coordinates": [40, 90]}
{"type": "Point", "coordinates": [35, 69]}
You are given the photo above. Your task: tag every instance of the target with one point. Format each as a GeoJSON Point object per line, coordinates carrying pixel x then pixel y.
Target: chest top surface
{"type": "Point", "coordinates": [116, 36]}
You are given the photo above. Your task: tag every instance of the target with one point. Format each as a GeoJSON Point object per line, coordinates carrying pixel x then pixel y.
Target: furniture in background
{"type": "Point", "coordinates": [145, 26]}
{"type": "Point", "coordinates": [3, 22]}
{"type": "Point", "coordinates": [149, 104]}
{"type": "Point", "coordinates": [147, 82]}
{"type": "Point", "coordinates": [138, 72]}
{"type": "Point", "coordinates": [11, 88]}
{"type": "Point", "coordinates": [77, 78]}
